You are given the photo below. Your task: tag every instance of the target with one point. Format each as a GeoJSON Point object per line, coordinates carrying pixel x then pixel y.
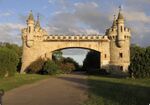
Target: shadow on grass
{"type": "Point", "coordinates": [111, 93]}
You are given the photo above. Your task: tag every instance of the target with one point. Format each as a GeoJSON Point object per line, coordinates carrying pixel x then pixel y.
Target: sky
{"type": "Point", "coordinates": [75, 17]}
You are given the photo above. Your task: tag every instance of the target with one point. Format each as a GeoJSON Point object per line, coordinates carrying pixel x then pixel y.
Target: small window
{"type": "Point", "coordinates": [121, 29]}
{"type": "Point", "coordinates": [29, 29]}
{"type": "Point", "coordinates": [121, 55]}
{"type": "Point", "coordinates": [105, 55]}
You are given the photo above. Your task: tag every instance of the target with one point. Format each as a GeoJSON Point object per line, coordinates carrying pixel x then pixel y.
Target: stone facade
{"type": "Point", "coordinates": [114, 46]}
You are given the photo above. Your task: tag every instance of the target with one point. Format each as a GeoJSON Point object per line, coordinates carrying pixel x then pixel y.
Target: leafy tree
{"type": "Point", "coordinates": [8, 62]}
{"type": "Point", "coordinates": [92, 60]}
{"type": "Point", "coordinates": [67, 67]}
{"type": "Point", "coordinates": [71, 61]}
{"type": "Point", "coordinates": [36, 66]}
{"type": "Point", "coordinates": [51, 67]}
{"type": "Point", "coordinates": [140, 58]}
{"type": "Point", "coordinates": [57, 55]}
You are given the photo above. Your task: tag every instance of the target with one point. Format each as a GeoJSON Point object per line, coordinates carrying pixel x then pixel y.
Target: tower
{"type": "Point", "coordinates": [30, 30]}
{"type": "Point", "coordinates": [119, 37]}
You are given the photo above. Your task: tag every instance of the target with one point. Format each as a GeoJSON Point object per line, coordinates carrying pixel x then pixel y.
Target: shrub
{"type": "Point", "coordinates": [8, 62]}
{"type": "Point", "coordinates": [67, 67]}
{"type": "Point", "coordinates": [36, 66]}
{"type": "Point", "coordinates": [51, 67]}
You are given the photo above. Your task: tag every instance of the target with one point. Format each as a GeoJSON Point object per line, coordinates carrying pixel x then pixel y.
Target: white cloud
{"type": "Point", "coordinates": [136, 16]}
{"type": "Point", "coordinates": [3, 14]}
{"type": "Point", "coordinates": [10, 32]}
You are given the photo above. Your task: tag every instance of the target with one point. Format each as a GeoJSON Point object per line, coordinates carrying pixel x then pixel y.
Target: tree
{"type": "Point", "coordinates": [140, 58]}
{"type": "Point", "coordinates": [36, 66]}
{"type": "Point", "coordinates": [71, 61]}
{"type": "Point", "coordinates": [8, 62]}
{"type": "Point", "coordinates": [51, 67]}
{"type": "Point", "coordinates": [92, 60]}
{"type": "Point", "coordinates": [57, 55]}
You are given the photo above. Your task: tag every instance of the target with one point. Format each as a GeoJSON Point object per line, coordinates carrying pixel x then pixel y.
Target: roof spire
{"type": "Point", "coordinates": [120, 16]}
{"type": "Point", "coordinates": [114, 22]}
{"type": "Point", "coordinates": [120, 8]}
{"type": "Point", "coordinates": [37, 25]}
{"type": "Point", "coordinates": [31, 17]}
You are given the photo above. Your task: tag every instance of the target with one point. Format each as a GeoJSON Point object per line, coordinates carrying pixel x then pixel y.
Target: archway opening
{"type": "Point", "coordinates": [82, 58]}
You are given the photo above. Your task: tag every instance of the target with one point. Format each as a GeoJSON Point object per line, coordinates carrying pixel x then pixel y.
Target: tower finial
{"type": "Point", "coordinates": [38, 17]}
{"type": "Point", "coordinates": [120, 8]}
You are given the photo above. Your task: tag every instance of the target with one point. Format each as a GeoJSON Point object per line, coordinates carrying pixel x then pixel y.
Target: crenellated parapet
{"type": "Point", "coordinates": [75, 37]}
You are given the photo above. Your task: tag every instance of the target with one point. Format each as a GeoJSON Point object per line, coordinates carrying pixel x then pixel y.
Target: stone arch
{"type": "Point", "coordinates": [48, 53]}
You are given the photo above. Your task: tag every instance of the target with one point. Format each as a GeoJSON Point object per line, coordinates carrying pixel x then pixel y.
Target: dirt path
{"type": "Point", "coordinates": [65, 90]}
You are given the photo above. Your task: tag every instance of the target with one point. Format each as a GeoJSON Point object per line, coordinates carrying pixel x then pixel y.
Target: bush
{"type": "Point", "coordinates": [67, 67]}
{"type": "Point", "coordinates": [36, 66]}
{"type": "Point", "coordinates": [8, 62]}
{"type": "Point", "coordinates": [51, 67]}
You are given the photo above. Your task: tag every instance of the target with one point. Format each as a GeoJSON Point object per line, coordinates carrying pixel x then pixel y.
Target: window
{"type": "Point", "coordinates": [121, 55]}
{"type": "Point", "coordinates": [29, 29]}
{"type": "Point", "coordinates": [105, 56]}
{"type": "Point", "coordinates": [121, 29]}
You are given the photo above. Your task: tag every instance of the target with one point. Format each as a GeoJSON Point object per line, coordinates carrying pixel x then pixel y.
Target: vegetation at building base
{"type": "Point", "coordinates": [116, 91]}
{"type": "Point", "coordinates": [140, 62]}
{"type": "Point", "coordinates": [58, 65]}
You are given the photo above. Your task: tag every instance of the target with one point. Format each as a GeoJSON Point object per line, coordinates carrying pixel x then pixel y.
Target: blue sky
{"type": "Point", "coordinates": [75, 17]}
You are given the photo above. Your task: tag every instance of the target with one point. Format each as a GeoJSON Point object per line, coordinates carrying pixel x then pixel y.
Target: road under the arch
{"type": "Point", "coordinates": [63, 90]}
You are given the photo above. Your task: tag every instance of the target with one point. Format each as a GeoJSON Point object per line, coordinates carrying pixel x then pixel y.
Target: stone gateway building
{"type": "Point", "coordinates": [114, 46]}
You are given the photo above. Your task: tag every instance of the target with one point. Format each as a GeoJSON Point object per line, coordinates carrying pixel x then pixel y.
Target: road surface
{"type": "Point", "coordinates": [68, 89]}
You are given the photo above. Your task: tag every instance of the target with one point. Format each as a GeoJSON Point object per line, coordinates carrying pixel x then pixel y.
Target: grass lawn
{"type": "Point", "coordinates": [18, 80]}
{"type": "Point", "coordinates": [114, 91]}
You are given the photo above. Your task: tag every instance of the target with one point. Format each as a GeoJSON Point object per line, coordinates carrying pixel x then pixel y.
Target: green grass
{"type": "Point", "coordinates": [115, 91]}
{"type": "Point", "coordinates": [18, 80]}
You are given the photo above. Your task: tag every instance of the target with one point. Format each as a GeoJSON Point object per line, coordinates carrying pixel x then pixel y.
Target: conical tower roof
{"type": "Point", "coordinates": [30, 17]}
{"type": "Point", "coordinates": [114, 22]}
{"type": "Point", "coordinates": [37, 25]}
{"type": "Point", "coordinates": [120, 15]}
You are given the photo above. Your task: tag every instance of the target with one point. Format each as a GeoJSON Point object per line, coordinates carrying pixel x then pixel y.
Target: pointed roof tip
{"type": "Point", "coordinates": [31, 17]}
{"type": "Point", "coordinates": [37, 25]}
{"type": "Point", "coordinates": [114, 24]}
{"type": "Point", "coordinates": [120, 15]}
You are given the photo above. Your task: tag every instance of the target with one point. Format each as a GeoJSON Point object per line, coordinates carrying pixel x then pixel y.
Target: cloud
{"type": "Point", "coordinates": [136, 16]}
{"type": "Point", "coordinates": [92, 17]}
{"type": "Point", "coordinates": [5, 14]}
{"type": "Point", "coordinates": [84, 19]}
{"type": "Point", "coordinates": [9, 32]}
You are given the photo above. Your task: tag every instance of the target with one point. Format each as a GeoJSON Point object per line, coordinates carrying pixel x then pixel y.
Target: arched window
{"type": "Point", "coordinates": [121, 29]}
{"type": "Point", "coordinates": [29, 29]}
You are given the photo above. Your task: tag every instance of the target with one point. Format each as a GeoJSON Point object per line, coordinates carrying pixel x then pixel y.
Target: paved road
{"type": "Point", "coordinates": [64, 90]}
